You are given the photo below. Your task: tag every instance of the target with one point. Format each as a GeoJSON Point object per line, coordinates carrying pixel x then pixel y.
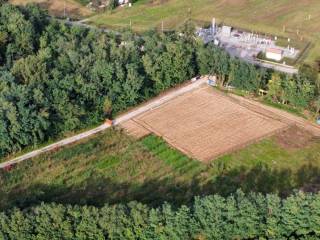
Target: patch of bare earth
{"type": "Point", "coordinates": [56, 7]}
{"type": "Point", "coordinates": [205, 124]}
{"type": "Point", "coordinates": [294, 137]}
{"type": "Point", "coordinates": [134, 129]}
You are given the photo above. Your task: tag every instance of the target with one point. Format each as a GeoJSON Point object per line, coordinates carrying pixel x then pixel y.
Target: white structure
{"type": "Point", "coordinates": [214, 26]}
{"type": "Point", "coordinates": [226, 31]}
{"type": "Point", "coordinates": [123, 2]}
{"type": "Point", "coordinates": [274, 54]}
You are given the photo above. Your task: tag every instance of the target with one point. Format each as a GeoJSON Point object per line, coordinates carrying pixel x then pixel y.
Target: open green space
{"type": "Point", "coordinates": [113, 168]}
{"type": "Point", "coordinates": [299, 20]}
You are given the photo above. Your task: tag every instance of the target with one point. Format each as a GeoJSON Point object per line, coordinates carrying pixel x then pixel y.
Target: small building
{"type": "Point", "coordinates": [226, 31]}
{"type": "Point", "coordinates": [123, 2]}
{"type": "Point", "coordinates": [274, 54]}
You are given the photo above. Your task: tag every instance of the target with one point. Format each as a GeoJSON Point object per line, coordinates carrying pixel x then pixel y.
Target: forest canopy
{"type": "Point", "coordinates": [238, 216]}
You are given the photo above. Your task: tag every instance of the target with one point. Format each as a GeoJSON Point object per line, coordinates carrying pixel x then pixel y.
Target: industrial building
{"type": "Point", "coordinates": [274, 54]}
{"type": "Point", "coordinates": [248, 45]}
{"type": "Point", "coordinates": [226, 31]}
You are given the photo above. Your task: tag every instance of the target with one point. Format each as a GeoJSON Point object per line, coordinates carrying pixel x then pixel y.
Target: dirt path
{"type": "Point", "coordinates": [123, 118]}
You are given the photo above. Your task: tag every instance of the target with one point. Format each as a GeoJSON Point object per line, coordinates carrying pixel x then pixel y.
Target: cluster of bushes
{"type": "Point", "coordinates": [56, 78]}
{"type": "Point", "coordinates": [213, 217]}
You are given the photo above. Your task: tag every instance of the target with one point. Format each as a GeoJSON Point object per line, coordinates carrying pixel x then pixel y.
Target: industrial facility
{"type": "Point", "coordinates": [247, 45]}
{"type": "Point", "coordinates": [95, 5]}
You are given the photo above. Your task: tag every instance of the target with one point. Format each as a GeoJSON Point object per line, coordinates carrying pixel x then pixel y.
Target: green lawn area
{"type": "Point", "coordinates": [112, 167]}
{"type": "Point", "coordinates": [263, 16]}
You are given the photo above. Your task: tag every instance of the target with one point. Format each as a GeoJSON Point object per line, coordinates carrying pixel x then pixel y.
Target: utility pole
{"type": "Point", "coordinates": [64, 8]}
{"type": "Point", "coordinates": [162, 27]}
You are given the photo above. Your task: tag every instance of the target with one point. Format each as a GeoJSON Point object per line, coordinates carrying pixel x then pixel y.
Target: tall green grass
{"type": "Point", "coordinates": [112, 167]}
{"type": "Point", "coordinates": [172, 157]}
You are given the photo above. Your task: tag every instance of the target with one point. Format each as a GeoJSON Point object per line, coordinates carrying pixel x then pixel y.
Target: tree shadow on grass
{"type": "Point", "coordinates": [98, 191]}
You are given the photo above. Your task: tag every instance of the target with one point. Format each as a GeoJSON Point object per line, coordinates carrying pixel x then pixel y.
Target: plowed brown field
{"type": "Point", "coordinates": [206, 124]}
{"type": "Point", "coordinates": [135, 129]}
{"type": "Point", "coordinates": [56, 7]}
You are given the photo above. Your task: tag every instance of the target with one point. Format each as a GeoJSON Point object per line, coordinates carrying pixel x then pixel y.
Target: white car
{"type": "Point", "coordinates": [195, 78]}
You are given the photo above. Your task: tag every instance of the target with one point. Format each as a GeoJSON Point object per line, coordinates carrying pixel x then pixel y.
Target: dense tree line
{"type": "Point", "coordinates": [302, 90]}
{"type": "Point", "coordinates": [213, 217]}
{"type": "Point", "coordinates": [56, 78]}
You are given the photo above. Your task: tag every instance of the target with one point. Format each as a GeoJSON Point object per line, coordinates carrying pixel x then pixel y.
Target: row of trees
{"type": "Point", "coordinates": [301, 90]}
{"type": "Point", "coordinates": [213, 217]}
{"type": "Point", "coordinates": [56, 78]}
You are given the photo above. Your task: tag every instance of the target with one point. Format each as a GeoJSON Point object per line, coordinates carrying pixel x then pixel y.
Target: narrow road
{"type": "Point", "coordinates": [123, 118]}
{"type": "Point", "coordinates": [277, 67]}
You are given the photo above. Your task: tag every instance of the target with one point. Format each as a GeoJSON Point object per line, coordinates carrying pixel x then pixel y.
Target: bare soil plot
{"type": "Point", "coordinates": [135, 129]}
{"type": "Point", "coordinates": [206, 124]}
{"type": "Point", "coordinates": [278, 114]}
{"type": "Point", "coordinates": [56, 7]}
{"type": "Point", "coordinates": [294, 138]}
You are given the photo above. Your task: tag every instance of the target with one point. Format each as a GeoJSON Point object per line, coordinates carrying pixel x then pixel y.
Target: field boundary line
{"type": "Point", "coordinates": [171, 142]}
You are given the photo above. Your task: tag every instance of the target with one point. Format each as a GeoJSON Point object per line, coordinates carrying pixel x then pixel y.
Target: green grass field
{"type": "Point", "coordinates": [263, 16]}
{"type": "Point", "coordinates": [112, 167]}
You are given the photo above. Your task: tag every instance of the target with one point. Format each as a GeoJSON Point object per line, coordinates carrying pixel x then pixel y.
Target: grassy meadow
{"type": "Point", "coordinates": [112, 167]}
{"type": "Point", "coordinates": [272, 16]}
